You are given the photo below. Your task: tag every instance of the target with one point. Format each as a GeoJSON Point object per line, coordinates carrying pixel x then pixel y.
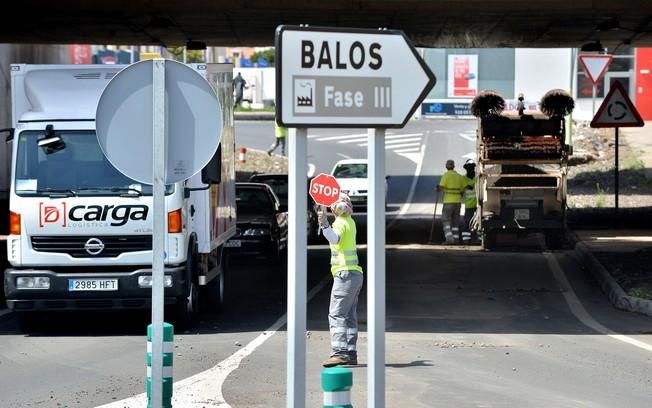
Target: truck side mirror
{"type": "Point", "coordinates": [212, 173]}
{"type": "Point", "coordinates": [10, 134]}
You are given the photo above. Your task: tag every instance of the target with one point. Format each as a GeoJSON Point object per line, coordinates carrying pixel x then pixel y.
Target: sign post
{"type": "Point", "coordinates": [617, 111]}
{"type": "Point", "coordinates": [158, 123]}
{"type": "Point", "coordinates": [335, 77]}
{"type": "Point", "coordinates": [595, 66]}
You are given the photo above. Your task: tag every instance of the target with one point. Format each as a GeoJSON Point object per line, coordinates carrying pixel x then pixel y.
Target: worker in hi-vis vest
{"type": "Point", "coordinates": [280, 133]}
{"type": "Point", "coordinates": [470, 202]}
{"type": "Point", "coordinates": [453, 185]}
{"type": "Point", "coordinates": [347, 282]}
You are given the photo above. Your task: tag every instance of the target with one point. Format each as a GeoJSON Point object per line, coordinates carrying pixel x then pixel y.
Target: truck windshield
{"type": "Point", "coordinates": [73, 165]}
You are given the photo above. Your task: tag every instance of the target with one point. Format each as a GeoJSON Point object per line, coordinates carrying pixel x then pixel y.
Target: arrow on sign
{"type": "Point", "coordinates": [595, 66]}
{"type": "Point", "coordinates": [333, 77]}
{"type": "Point", "coordinates": [617, 110]}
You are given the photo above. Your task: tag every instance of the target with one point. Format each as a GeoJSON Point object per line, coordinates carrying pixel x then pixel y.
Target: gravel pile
{"type": "Point", "coordinates": [591, 176]}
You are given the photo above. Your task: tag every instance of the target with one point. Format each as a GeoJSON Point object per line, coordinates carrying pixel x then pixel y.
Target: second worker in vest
{"type": "Point", "coordinates": [280, 132]}
{"type": "Point", "coordinates": [347, 282]}
{"type": "Point", "coordinates": [470, 202]}
{"type": "Point", "coordinates": [453, 185]}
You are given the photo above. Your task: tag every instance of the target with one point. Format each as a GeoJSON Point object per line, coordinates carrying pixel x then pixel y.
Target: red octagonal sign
{"type": "Point", "coordinates": [324, 189]}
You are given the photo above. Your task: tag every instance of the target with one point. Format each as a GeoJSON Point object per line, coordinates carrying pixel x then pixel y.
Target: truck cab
{"type": "Point", "coordinates": [81, 231]}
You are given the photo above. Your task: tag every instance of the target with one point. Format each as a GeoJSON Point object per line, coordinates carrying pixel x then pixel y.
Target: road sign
{"type": "Point", "coordinates": [335, 77]}
{"type": "Point", "coordinates": [324, 189]}
{"type": "Point", "coordinates": [595, 66]}
{"type": "Point", "coordinates": [617, 110]}
{"type": "Point", "coordinates": [193, 121]}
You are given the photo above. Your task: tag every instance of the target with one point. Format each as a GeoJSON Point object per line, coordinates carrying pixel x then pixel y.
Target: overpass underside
{"type": "Point", "coordinates": [429, 23]}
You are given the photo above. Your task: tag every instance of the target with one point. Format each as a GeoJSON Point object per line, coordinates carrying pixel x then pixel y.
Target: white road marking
{"type": "Point", "coordinates": [343, 155]}
{"type": "Point", "coordinates": [578, 309]}
{"type": "Point", "coordinates": [311, 169]}
{"type": "Point", "coordinates": [398, 146]}
{"type": "Point", "coordinates": [313, 136]}
{"type": "Point", "coordinates": [413, 187]}
{"type": "Point", "coordinates": [340, 137]}
{"type": "Point", "coordinates": [356, 140]}
{"type": "Point", "coordinates": [410, 150]}
{"type": "Point", "coordinates": [471, 155]}
{"type": "Point", "coordinates": [468, 137]}
{"type": "Point", "coordinates": [393, 136]}
{"type": "Point", "coordinates": [409, 139]}
{"type": "Point", "coordinates": [205, 389]}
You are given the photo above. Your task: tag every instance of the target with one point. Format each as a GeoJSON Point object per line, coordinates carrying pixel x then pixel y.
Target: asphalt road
{"type": "Point", "coordinates": [466, 328]}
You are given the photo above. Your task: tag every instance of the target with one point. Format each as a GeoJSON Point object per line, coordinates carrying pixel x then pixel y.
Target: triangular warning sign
{"type": "Point", "coordinates": [617, 110]}
{"type": "Point", "coordinates": [595, 65]}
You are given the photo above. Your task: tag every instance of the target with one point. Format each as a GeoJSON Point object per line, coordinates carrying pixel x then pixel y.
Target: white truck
{"type": "Point", "coordinates": [80, 231]}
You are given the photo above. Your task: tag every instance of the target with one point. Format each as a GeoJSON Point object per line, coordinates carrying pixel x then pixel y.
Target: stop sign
{"type": "Point", "coordinates": [324, 189]}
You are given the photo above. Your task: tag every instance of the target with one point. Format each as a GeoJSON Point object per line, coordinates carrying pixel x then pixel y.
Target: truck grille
{"type": "Point", "coordinates": [75, 245]}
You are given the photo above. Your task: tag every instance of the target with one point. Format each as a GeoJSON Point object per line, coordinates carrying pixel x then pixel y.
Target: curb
{"type": "Point", "coordinates": [253, 115]}
{"type": "Point", "coordinates": [608, 284]}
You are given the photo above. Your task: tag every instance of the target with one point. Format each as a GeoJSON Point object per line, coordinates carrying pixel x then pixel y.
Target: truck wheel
{"type": "Point", "coordinates": [213, 293]}
{"type": "Point", "coordinates": [187, 307]}
{"type": "Point", "coordinates": [488, 240]}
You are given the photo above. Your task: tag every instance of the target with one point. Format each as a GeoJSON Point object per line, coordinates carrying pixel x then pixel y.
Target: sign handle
{"type": "Point", "coordinates": [594, 94]}
{"type": "Point", "coordinates": [297, 269]}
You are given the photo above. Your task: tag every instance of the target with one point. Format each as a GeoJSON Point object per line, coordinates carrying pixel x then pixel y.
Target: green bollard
{"type": "Point", "coordinates": [168, 353]}
{"type": "Point", "coordinates": [336, 383]}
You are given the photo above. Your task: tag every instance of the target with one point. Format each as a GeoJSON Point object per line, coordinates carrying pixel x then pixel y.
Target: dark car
{"type": "Point", "coordinates": [280, 184]}
{"type": "Point", "coordinates": [262, 228]}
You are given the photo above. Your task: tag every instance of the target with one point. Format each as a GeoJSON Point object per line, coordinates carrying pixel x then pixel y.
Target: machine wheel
{"type": "Point", "coordinates": [488, 240]}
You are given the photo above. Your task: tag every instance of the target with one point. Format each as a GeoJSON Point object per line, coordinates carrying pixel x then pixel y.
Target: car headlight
{"type": "Point", "coordinates": [256, 232]}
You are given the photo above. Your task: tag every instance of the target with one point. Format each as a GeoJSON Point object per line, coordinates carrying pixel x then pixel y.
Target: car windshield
{"type": "Point", "coordinates": [71, 163]}
{"type": "Point", "coordinates": [253, 201]}
{"type": "Point", "coordinates": [278, 185]}
{"type": "Point", "coordinates": [351, 170]}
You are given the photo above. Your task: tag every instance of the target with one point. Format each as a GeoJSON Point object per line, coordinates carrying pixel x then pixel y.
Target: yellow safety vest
{"type": "Point", "coordinates": [344, 255]}
{"type": "Point", "coordinates": [470, 200]}
{"type": "Point", "coordinates": [453, 184]}
{"type": "Point", "coordinates": [281, 132]}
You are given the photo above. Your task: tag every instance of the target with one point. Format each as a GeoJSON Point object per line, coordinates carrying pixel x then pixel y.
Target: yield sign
{"type": "Point", "coordinates": [617, 110]}
{"type": "Point", "coordinates": [595, 66]}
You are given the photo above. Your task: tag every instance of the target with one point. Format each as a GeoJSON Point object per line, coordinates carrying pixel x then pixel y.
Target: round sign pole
{"type": "Point", "coordinates": [297, 267]}
{"type": "Point", "coordinates": [376, 269]}
{"type": "Point", "coordinates": [158, 238]}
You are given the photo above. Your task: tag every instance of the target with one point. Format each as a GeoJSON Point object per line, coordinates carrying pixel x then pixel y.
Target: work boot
{"type": "Point", "coordinates": [333, 361]}
{"type": "Point", "coordinates": [353, 358]}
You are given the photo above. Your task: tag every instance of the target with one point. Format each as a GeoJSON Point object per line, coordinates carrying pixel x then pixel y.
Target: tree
{"type": "Point", "coordinates": [191, 56]}
{"type": "Point", "coordinates": [267, 54]}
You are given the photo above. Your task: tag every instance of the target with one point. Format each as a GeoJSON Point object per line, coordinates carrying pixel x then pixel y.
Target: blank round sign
{"type": "Point", "coordinates": [124, 117]}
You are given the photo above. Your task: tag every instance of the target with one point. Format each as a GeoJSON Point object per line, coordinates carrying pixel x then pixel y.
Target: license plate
{"type": "Point", "coordinates": [522, 214]}
{"type": "Point", "coordinates": [92, 284]}
{"type": "Point", "coordinates": [233, 243]}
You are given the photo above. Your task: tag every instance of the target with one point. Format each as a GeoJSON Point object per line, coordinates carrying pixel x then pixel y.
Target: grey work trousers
{"type": "Point", "coordinates": [467, 234]}
{"type": "Point", "coordinates": [343, 313]}
{"type": "Point", "coordinates": [277, 142]}
{"type": "Point", "coordinates": [450, 214]}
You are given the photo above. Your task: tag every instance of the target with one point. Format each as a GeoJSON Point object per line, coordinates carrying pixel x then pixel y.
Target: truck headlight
{"type": "Point", "coordinates": [33, 282]}
{"type": "Point", "coordinates": [145, 281]}
{"type": "Point", "coordinates": [256, 232]}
